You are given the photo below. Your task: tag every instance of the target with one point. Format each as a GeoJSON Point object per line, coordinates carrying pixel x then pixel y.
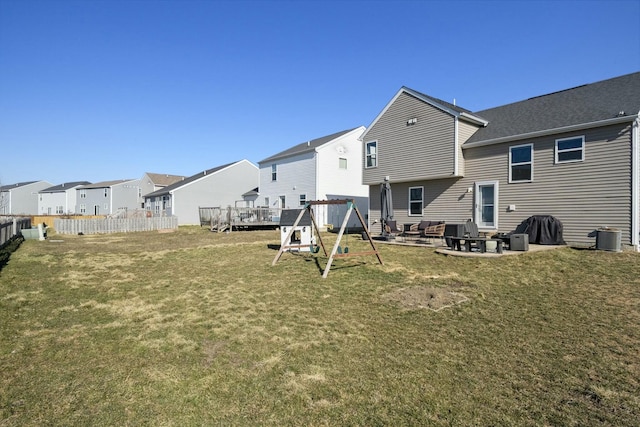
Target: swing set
{"type": "Point", "coordinates": [337, 251]}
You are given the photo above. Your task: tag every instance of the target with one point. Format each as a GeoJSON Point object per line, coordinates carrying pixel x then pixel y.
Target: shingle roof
{"type": "Point", "coordinates": [64, 187]}
{"type": "Point", "coordinates": [105, 184]}
{"type": "Point", "coordinates": [16, 185]}
{"type": "Point", "coordinates": [164, 179]}
{"type": "Point", "coordinates": [588, 103]}
{"type": "Point", "coordinates": [185, 181]}
{"type": "Point", "coordinates": [305, 147]}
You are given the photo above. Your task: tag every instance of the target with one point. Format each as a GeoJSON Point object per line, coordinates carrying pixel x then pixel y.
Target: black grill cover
{"type": "Point", "coordinates": [542, 230]}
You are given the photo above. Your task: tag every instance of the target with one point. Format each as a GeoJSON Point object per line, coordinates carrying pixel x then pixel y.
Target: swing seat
{"type": "Point", "coordinates": [339, 249]}
{"type": "Point", "coordinates": [314, 249]}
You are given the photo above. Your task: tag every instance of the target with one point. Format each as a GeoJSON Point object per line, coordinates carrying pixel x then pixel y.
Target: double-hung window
{"type": "Point", "coordinates": [371, 154]}
{"type": "Point", "coordinates": [274, 172]}
{"type": "Point", "coordinates": [342, 163]}
{"type": "Point", "coordinates": [416, 200]}
{"type": "Point", "coordinates": [303, 199]}
{"type": "Point", "coordinates": [570, 150]}
{"type": "Point", "coordinates": [521, 163]}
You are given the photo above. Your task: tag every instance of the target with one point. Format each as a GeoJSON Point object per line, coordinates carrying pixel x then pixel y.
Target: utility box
{"type": "Point", "coordinates": [609, 239]}
{"type": "Point", "coordinates": [519, 242]}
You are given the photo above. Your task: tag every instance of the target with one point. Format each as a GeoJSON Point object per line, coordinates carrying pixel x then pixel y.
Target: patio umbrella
{"type": "Point", "coordinates": [386, 205]}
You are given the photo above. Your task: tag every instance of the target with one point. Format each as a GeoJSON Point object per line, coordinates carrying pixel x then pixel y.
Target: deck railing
{"type": "Point", "coordinates": [239, 217]}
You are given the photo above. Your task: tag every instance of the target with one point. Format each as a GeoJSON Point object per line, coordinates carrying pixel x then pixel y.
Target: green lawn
{"type": "Point", "coordinates": [197, 328]}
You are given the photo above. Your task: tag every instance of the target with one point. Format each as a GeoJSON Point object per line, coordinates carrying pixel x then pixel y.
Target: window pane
{"type": "Point", "coordinates": [520, 154]}
{"type": "Point", "coordinates": [415, 208]}
{"type": "Point", "coordinates": [521, 173]}
{"type": "Point", "coordinates": [569, 144]}
{"type": "Point", "coordinates": [487, 214]}
{"type": "Point", "coordinates": [415, 193]}
{"type": "Point", "coordinates": [487, 195]}
{"type": "Point", "coordinates": [567, 156]}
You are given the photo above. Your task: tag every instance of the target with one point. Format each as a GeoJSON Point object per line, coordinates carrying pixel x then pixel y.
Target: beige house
{"type": "Point", "coordinates": [572, 154]}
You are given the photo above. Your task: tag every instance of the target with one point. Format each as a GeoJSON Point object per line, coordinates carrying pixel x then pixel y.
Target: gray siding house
{"type": "Point", "coordinates": [107, 197]}
{"type": "Point", "coordinates": [151, 182]}
{"type": "Point", "coordinates": [221, 186]}
{"type": "Point", "coordinates": [21, 198]}
{"type": "Point", "coordinates": [59, 199]}
{"type": "Point", "coordinates": [573, 154]}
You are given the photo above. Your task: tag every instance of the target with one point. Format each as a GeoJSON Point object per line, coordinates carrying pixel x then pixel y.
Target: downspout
{"type": "Point", "coordinates": [456, 154]}
{"type": "Point", "coordinates": [635, 184]}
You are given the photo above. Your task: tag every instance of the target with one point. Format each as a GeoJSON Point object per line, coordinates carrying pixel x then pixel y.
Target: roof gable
{"type": "Point", "coordinates": [306, 147]}
{"type": "Point", "coordinates": [444, 106]}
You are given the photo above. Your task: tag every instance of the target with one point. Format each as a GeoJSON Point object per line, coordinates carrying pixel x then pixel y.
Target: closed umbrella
{"type": "Point", "coordinates": [386, 205]}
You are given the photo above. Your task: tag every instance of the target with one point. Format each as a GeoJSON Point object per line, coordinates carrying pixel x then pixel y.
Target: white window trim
{"type": "Point", "coordinates": [414, 201]}
{"type": "Point", "coordinates": [366, 154]}
{"type": "Point", "coordinates": [511, 164]}
{"type": "Point", "coordinates": [274, 172]}
{"type": "Point", "coordinates": [582, 150]}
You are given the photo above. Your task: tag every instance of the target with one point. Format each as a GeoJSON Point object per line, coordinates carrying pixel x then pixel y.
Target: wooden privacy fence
{"type": "Point", "coordinates": [11, 227]}
{"type": "Point", "coordinates": [114, 225]}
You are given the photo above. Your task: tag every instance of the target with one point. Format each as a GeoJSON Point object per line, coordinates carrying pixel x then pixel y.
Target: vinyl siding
{"type": "Point", "coordinates": [465, 131]}
{"type": "Point", "coordinates": [406, 153]}
{"type": "Point", "coordinates": [222, 188]}
{"type": "Point", "coordinates": [583, 195]}
{"type": "Point", "coordinates": [296, 175]}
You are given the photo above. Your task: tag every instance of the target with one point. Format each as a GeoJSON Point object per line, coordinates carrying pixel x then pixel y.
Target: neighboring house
{"type": "Point", "coordinates": [151, 182]}
{"type": "Point", "coordinates": [21, 198]}
{"type": "Point", "coordinates": [573, 154]}
{"type": "Point", "coordinates": [321, 169]}
{"type": "Point", "coordinates": [107, 197]}
{"type": "Point", "coordinates": [59, 199]}
{"type": "Point", "coordinates": [217, 187]}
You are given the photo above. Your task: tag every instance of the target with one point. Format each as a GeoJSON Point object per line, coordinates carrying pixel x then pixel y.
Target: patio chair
{"type": "Point", "coordinates": [434, 231]}
{"type": "Point", "coordinates": [471, 230]}
{"type": "Point", "coordinates": [391, 228]}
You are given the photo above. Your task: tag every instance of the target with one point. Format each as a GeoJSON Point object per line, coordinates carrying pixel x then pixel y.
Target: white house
{"type": "Point", "coordinates": [324, 168]}
{"type": "Point", "coordinates": [59, 199]}
{"type": "Point", "coordinates": [21, 198]}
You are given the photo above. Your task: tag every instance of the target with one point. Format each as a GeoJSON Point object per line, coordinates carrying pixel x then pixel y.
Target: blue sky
{"type": "Point", "coordinates": [100, 90]}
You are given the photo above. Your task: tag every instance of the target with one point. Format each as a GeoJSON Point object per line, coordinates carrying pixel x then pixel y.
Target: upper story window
{"type": "Point", "coordinates": [570, 150]}
{"type": "Point", "coordinates": [371, 154]}
{"type": "Point", "coordinates": [303, 199]}
{"type": "Point", "coordinates": [274, 172]}
{"type": "Point", "coordinates": [521, 163]}
{"type": "Point", "coordinates": [106, 192]}
{"type": "Point", "coordinates": [342, 163]}
{"type": "Point", "coordinates": [83, 194]}
{"type": "Point", "coordinates": [416, 200]}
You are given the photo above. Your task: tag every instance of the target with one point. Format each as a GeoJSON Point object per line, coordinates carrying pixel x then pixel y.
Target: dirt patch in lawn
{"type": "Point", "coordinates": [418, 297]}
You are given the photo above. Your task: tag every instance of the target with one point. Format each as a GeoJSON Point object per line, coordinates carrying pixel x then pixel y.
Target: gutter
{"type": "Point", "coordinates": [546, 132]}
